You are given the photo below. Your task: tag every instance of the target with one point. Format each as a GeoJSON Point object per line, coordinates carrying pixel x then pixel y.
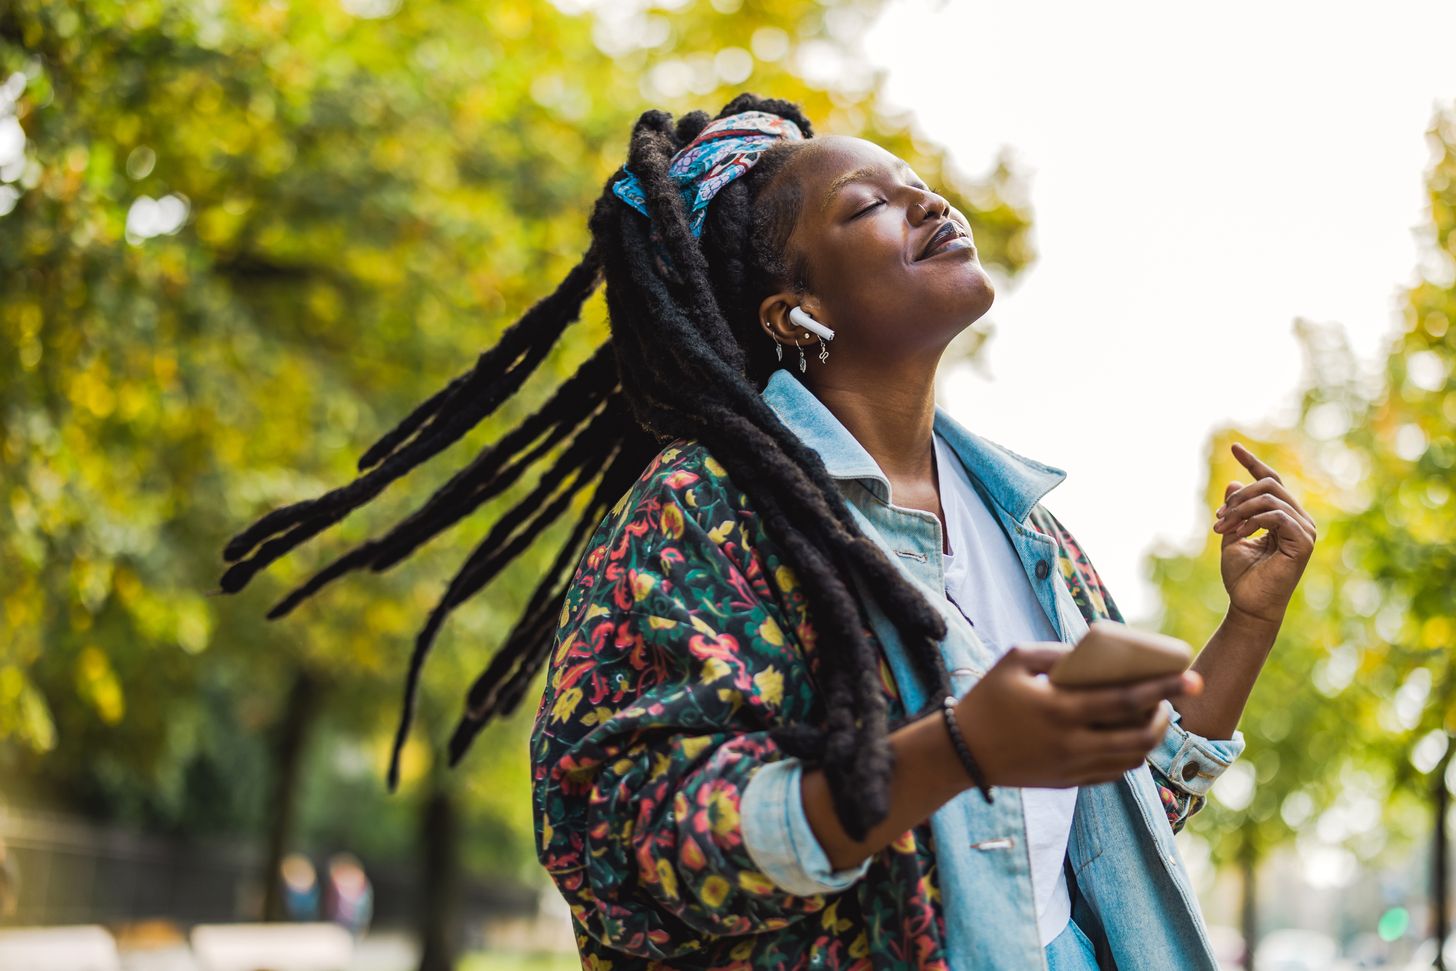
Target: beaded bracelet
{"type": "Point", "coordinates": [973, 768]}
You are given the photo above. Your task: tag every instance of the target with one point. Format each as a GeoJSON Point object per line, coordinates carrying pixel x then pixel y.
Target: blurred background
{"type": "Point", "coordinates": [239, 240]}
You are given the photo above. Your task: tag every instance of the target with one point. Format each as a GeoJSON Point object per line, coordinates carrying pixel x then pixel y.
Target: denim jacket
{"type": "Point", "coordinates": [673, 824]}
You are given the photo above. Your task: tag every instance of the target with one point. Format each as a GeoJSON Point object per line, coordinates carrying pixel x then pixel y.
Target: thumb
{"type": "Point", "coordinates": [1036, 657]}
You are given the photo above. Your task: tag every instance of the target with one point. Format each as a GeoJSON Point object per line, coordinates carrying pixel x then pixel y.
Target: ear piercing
{"type": "Point", "coordinates": [801, 317]}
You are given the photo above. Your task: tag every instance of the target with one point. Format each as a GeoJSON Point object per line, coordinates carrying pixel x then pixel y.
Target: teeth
{"type": "Point", "coordinates": [938, 243]}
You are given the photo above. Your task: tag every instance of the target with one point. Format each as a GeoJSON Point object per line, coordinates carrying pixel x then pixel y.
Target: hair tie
{"type": "Point", "coordinates": [723, 151]}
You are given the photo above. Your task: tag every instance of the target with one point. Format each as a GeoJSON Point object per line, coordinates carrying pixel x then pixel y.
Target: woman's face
{"type": "Point", "coordinates": [864, 224]}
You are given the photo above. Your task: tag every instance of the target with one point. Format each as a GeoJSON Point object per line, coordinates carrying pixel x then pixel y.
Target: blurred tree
{"type": "Point", "coordinates": [1371, 626]}
{"type": "Point", "coordinates": [236, 243]}
{"type": "Point", "coordinates": [1296, 737]}
{"type": "Point", "coordinates": [1403, 537]}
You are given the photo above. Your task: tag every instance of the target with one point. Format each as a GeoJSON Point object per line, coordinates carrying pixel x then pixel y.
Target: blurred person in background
{"type": "Point", "coordinates": [300, 887]}
{"type": "Point", "coordinates": [348, 898]}
{"type": "Point", "coordinates": [789, 719]}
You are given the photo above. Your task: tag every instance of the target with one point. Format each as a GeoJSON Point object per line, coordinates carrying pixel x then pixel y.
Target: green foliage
{"type": "Point", "coordinates": [238, 242]}
{"type": "Point", "coordinates": [1356, 700]}
{"type": "Point", "coordinates": [1306, 713]}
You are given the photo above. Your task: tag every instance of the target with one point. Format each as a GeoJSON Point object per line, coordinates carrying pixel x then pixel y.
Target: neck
{"type": "Point", "coordinates": [891, 414]}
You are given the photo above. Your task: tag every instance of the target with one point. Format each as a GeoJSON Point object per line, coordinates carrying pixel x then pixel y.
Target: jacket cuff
{"type": "Point", "coordinates": [1190, 761]}
{"type": "Point", "coordinates": [777, 836]}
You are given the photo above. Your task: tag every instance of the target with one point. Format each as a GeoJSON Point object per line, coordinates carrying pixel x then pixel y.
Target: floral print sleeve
{"type": "Point", "coordinates": [1185, 765]}
{"type": "Point", "coordinates": [671, 666]}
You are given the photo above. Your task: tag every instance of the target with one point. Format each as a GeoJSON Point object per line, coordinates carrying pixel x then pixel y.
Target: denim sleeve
{"type": "Point", "coordinates": [1186, 765]}
{"type": "Point", "coordinates": [777, 835]}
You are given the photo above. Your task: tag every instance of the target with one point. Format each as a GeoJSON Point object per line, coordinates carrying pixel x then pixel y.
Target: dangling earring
{"type": "Point", "coordinates": [801, 317]}
{"type": "Point", "coordinates": [778, 349]}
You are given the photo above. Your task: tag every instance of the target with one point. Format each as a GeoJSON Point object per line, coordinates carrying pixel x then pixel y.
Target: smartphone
{"type": "Point", "coordinates": [1113, 653]}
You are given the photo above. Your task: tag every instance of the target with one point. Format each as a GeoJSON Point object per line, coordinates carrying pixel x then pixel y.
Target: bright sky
{"type": "Point", "coordinates": [1200, 176]}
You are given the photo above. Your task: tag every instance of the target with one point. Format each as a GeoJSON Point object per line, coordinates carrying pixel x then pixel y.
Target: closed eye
{"type": "Point", "coordinates": [879, 202]}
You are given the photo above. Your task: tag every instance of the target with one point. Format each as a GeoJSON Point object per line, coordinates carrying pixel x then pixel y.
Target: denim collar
{"type": "Point", "coordinates": [1014, 482]}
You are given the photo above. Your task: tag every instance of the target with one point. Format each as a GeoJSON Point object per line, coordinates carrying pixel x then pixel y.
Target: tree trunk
{"type": "Point", "coordinates": [1249, 904]}
{"type": "Point", "coordinates": [1441, 801]}
{"type": "Point", "coordinates": [288, 749]}
{"type": "Point", "coordinates": [440, 879]}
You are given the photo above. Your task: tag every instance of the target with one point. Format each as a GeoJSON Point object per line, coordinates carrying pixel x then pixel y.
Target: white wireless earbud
{"type": "Point", "coordinates": [813, 326]}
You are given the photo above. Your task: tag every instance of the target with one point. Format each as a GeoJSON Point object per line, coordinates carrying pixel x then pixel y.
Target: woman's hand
{"type": "Point", "coordinates": [1026, 731]}
{"type": "Point", "coordinates": [1260, 574]}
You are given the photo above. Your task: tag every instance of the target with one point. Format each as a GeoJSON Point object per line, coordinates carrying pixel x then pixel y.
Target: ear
{"type": "Point", "coordinates": [773, 316]}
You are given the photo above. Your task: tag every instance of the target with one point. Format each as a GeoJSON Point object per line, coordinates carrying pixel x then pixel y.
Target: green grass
{"type": "Point", "coordinates": [519, 961]}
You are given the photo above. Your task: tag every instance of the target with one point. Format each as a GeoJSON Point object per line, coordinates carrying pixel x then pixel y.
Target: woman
{"type": "Point", "coordinates": [793, 649]}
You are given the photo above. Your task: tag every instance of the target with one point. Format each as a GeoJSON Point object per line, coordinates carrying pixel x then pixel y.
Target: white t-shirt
{"type": "Point", "coordinates": [985, 579]}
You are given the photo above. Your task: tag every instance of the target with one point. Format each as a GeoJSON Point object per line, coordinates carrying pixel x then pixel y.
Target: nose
{"type": "Point", "coordinates": [931, 203]}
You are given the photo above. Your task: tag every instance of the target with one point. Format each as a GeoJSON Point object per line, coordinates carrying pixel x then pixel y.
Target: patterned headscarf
{"type": "Point", "coordinates": [723, 151]}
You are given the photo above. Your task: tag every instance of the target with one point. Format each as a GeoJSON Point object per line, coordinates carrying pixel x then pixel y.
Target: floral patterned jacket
{"type": "Point", "coordinates": [685, 637]}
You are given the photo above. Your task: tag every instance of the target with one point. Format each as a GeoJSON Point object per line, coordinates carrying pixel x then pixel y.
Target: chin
{"type": "Point", "coordinates": [980, 293]}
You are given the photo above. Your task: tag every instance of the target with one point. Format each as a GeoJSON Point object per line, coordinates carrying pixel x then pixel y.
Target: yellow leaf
{"type": "Point", "coordinates": [667, 878]}
{"type": "Point", "coordinates": [724, 814]}
{"type": "Point", "coordinates": [755, 883]}
{"type": "Point", "coordinates": [596, 717]}
{"type": "Point", "coordinates": [786, 579]}
{"type": "Point", "coordinates": [642, 584]}
{"type": "Point", "coordinates": [99, 685]}
{"type": "Point", "coordinates": [713, 669]}
{"type": "Point", "coordinates": [715, 890]}
{"type": "Point", "coordinates": [566, 703]}
{"type": "Point", "coordinates": [564, 648]}
{"type": "Point", "coordinates": [693, 747]}
{"type": "Point", "coordinates": [770, 684]}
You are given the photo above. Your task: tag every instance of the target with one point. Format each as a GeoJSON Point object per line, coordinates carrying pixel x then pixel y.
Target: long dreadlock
{"type": "Point", "coordinates": [686, 358]}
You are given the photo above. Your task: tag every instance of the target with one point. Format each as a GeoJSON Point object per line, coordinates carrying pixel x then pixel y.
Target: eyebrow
{"type": "Point", "coordinates": [858, 175]}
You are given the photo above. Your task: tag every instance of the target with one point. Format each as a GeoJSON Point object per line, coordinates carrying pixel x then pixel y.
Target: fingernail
{"type": "Point", "coordinates": [1219, 511]}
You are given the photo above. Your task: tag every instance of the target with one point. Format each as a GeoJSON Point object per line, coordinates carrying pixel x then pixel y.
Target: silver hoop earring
{"type": "Point", "coordinates": [823, 352]}
{"type": "Point", "coordinates": [803, 361]}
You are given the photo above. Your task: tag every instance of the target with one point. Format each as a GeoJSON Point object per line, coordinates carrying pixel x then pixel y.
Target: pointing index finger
{"type": "Point", "coordinates": [1256, 467]}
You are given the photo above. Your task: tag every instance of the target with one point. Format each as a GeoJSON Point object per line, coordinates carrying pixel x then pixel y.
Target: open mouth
{"type": "Point", "coordinates": [946, 231]}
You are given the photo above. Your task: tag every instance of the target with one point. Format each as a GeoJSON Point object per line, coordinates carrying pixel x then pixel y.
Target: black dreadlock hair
{"type": "Point", "coordinates": [686, 359]}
